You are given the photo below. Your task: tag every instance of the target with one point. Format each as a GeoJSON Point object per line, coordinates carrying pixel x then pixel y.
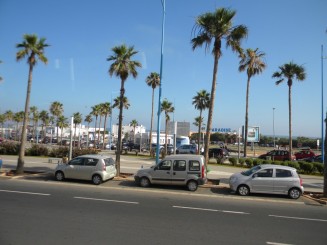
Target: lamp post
{"type": "Point", "coordinates": [163, 2]}
{"type": "Point", "coordinates": [322, 103]}
{"type": "Point", "coordinates": [274, 127]}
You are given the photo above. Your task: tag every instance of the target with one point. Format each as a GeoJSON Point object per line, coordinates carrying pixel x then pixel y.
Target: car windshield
{"type": "Point", "coordinates": [251, 171]}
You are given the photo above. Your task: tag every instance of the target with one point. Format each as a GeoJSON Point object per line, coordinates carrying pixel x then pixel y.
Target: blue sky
{"type": "Point", "coordinates": [82, 34]}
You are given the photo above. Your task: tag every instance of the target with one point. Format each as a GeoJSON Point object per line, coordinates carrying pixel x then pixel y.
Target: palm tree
{"type": "Point", "coordinates": [62, 123]}
{"type": "Point", "coordinates": [96, 112]}
{"type": "Point", "coordinates": [18, 118]}
{"type": "Point", "coordinates": [105, 111]}
{"type": "Point", "coordinates": [2, 122]}
{"type": "Point", "coordinates": [35, 119]}
{"type": "Point", "coordinates": [44, 117]}
{"type": "Point", "coordinates": [33, 48]}
{"type": "Point", "coordinates": [9, 115]}
{"type": "Point", "coordinates": [214, 27]}
{"type": "Point", "coordinates": [167, 107]}
{"type": "Point", "coordinates": [198, 122]}
{"type": "Point", "coordinates": [201, 102]}
{"type": "Point", "coordinates": [116, 104]}
{"type": "Point", "coordinates": [134, 123]}
{"type": "Point", "coordinates": [122, 67]}
{"type": "Point", "coordinates": [77, 120]}
{"type": "Point", "coordinates": [153, 80]}
{"type": "Point", "coordinates": [252, 62]}
{"type": "Point", "coordinates": [88, 119]}
{"type": "Point", "coordinates": [56, 109]}
{"type": "Point", "coordinates": [289, 72]}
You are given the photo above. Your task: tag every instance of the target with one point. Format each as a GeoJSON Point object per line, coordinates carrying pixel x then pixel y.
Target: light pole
{"type": "Point", "coordinates": [163, 2]}
{"type": "Point", "coordinates": [322, 103]}
{"type": "Point", "coordinates": [274, 127]}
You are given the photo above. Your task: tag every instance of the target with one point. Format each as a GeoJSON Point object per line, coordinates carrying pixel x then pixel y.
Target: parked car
{"type": "Point", "coordinates": [218, 152]}
{"type": "Point", "coordinates": [187, 149]}
{"type": "Point", "coordinates": [304, 154]}
{"type": "Point", "coordinates": [188, 170]}
{"type": "Point", "coordinates": [278, 155]}
{"type": "Point", "coordinates": [317, 158]}
{"type": "Point", "coordinates": [96, 168]}
{"type": "Point", "coordinates": [268, 178]}
{"type": "Point", "coordinates": [170, 149]}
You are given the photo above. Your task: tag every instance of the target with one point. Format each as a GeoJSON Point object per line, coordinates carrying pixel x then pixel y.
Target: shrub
{"type": "Point", "coordinates": [257, 161]}
{"type": "Point", "coordinates": [60, 152]}
{"type": "Point", "coordinates": [318, 167]}
{"type": "Point", "coordinates": [9, 148]}
{"type": "Point", "coordinates": [37, 150]}
{"type": "Point", "coordinates": [267, 161]}
{"type": "Point", "coordinates": [307, 167]}
{"type": "Point", "coordinates": [78, 152]}
{"type": "Point", "coordinates": [220, 160]}
{"type": "Point", "coordinates": [241, 161]}
{"type": "Point", "coordinates": [233, 161]}
{"type": "Point", "coordinates": [249, 162]}
{"type": "Point", "coordinates": [294, 164]}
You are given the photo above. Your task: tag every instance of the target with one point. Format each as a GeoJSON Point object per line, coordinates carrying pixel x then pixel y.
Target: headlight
{"type": "Point", "coordinates": [232, 179]}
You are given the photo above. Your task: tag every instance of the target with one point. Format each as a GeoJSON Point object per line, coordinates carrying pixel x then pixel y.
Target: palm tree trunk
{"type": "Point", "coordinates": [104, 131]}
{"type": "Point", "coordinates": [246, 117]}
{"type": "Point", "coordinates": [199, 133]}
{"type": "Point", "coordinates": [166, 138]}
{"type": "Point", "coordinates": [95, 129]}
{"type": "Point", "coordinates": [325, 160]}
{"type": "Point", "coordinates": [120, 124]}
{"type": "Point", "coordinates": [150, 140]}
{"type": "Point", "coordinates": [211, 107]}
{"type": "Point", "coordinates": [290, 121]}
{"type": "Point", "coordinates": [99, 129]}
{"type": "Point", "coordinates": [74, 135]}
{"type": "Point", "coordinates": [21, 162]}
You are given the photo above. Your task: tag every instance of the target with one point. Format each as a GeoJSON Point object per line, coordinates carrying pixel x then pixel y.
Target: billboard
{"type": "Point", "coordinates": [253, 134]}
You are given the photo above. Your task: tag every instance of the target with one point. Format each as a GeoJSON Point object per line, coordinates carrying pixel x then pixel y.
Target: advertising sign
{"type": "Point", "coordinates": [253, 134]}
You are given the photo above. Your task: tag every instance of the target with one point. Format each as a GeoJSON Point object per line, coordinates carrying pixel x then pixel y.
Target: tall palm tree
{"type": "Point", "coordinates": [9, 116]}
{"type": "Point", "coordinates": [35, 119]}
{"type": "Point", "coordinates": [56, 109]}
{"type": "Point", "coordinates": [18, 118]}
{"type": "Point", "coordinates": [198, 122]}
{"type": "Point", "coordinates": [88, 119]}
{"type": "Point", "coordinates": [122, 67]}
{"type": "Point", "coordinates": [201, 102]}
{"type": "Point", "coordinates": [153, 80]}
{"type": "Point", "coordinates": [105, 111]}
{"type": "Point", "coordinates": [77, 120]}
{"type": "Point", "coordinates": [62, 123]}
{"type": "Point", "coordinates": [289, 72]}
{"type": "Point", "coordinates": [134, 123]}
{"type": "Point", "coordinates": [2, 122]}
{"type": "Point", "coordinates": [215, 27]}
{"type": "Point", "coordinates": [96, 112]}
{"type": "Point", "coordinates": [44, 117]}
{"type": "Point", "coordinates": [167, 107]}
{"type": "Point", "coordinates": [116, 103]}
{"type": "Point", "coordinates": [33, 48]}
{"type": "Point", "coordinates": [252, 62]}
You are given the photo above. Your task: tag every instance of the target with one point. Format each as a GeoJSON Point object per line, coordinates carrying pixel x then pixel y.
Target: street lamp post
{"type": "Point", "coordinates": [163, 2]}
{"type": "Point", "coordinates": [322, 103]}
{"type": "Point", "coordinates": [274, 127]}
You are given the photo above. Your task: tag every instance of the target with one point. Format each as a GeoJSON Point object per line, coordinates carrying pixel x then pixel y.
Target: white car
{"type": "Point", "coordinates": [268, 178]}
{"type": "Point", "coordinates": [96, 168]}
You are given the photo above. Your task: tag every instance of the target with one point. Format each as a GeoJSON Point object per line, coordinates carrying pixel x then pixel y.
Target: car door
{"type": "Point", "coordinates": [73, 168]}
{"type": "Point", "coordinates": [162, 173]}
{"type": "Point", "coordinates": [262, 181]}
{"type": "Point", "coordinates": [88, 168]}
{"type": "Point", "coordinates": [283, 180]}
{"type": "Point", "coordinates": [179, 174]}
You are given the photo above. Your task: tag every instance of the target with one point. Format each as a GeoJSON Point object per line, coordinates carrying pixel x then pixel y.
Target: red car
{"type": "Point", "coordinates": [304, 154]}
{"type": "Point", "coordinates": [278, 155]}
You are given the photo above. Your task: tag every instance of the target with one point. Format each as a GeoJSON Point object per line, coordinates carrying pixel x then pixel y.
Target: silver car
{"type": "Point", "coordinates": [96, 168]}
{"type": "Point", "coordinates": [268, 178]}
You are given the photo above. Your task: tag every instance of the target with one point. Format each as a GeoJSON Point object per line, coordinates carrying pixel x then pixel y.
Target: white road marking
{"type": "Point", "coordinates": [29, 193]}
{"type": "Point", "coordinates": [105, 200]}
{"type": "Point", "coordinates": [289, 217]}
{"type": "Point", "coordinates": [277, 243]}
{"type": "Point", "coordinates": [210, 210]}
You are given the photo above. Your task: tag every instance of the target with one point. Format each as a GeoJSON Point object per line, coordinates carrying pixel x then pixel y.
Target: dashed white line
{"type": "Point", "coordinates": [299, 218]}
{"type": "Point", "coordinates": [210, 210]}
{"type": "Point", "coordinates": [277, 243]}
{"type": "Point", "coordinates": [105, 200]}
{"type": "Point", "coordinates": [23, 192]}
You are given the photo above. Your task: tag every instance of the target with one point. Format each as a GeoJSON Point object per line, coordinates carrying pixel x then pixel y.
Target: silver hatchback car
{"type": "Point", "coordinates": [268, 178]}
{"type": "Point", "coordinates": [96, 168]}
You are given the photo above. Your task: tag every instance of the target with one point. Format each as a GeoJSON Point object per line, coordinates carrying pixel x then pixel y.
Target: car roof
{"type": "Point", "coordinates": [276, 166]}
{"type": "Point", "coordinates": [96, 156]}
{"type": "Point", "coordinates": [184, 156]}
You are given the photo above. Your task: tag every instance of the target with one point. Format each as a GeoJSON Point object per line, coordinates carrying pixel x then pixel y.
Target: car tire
{"type": "Point", "coordinates": [294, 193]}
{"type": "Point", "coordinates": [243, 190]}
{"type": "Point", "coordinates": [96, 179]}
{"type": "Point", "coordinates": [144, 182]}
{"type": "Point", "coordinates": [192, 185]}
{"type": "Point", "coordinates": [59, 176]}
{"type": "Point", "coordinates": [177, 152]}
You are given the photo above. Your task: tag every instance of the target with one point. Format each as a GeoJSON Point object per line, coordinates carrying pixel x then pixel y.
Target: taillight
{"type": "Point", "coordinates": [301, 182]}
{"type": "Point", "coordinates": [202, 172]}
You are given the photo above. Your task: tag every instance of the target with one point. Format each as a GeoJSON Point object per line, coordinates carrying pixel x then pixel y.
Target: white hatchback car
{"type": "Point", "coordinates": [268, 178]}
{"type": "Point", "coordinates": [96, 168]}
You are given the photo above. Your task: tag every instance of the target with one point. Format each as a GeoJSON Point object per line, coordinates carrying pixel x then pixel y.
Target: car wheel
{"type": "Point", "coordinates": [144, 182]}
{"type": "Point", "coordinates": [177, 152]}
{"type": "Point", "coordinates": [59, 176]}
{"type": "Point", "coordinates": [243, 190]}
{"type": "Point", "coordinates": [192, 185]}
{"type": "Point", "coordinates": [96, 179]}
{"type": "Point", "coordinates": [294, 193]}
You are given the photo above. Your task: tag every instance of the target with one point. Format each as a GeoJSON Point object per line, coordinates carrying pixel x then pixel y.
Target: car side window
{"type": "Point", "coordinates": [194, 165]}
{"type": "Point", "coordinates": [109, 161]}
{"type": "Point", "coordinates": [283, 173]}
{"type": "Point", "coordinates": [164, 165]}
{"type": "Point", "coordinates": [265, 173]}
{"type": "Point", "coordinates": [77, 162]}
{"type": "Point", "coordinates": [91, 162]}
{"type": "Point", "coordinates": [179, 165]}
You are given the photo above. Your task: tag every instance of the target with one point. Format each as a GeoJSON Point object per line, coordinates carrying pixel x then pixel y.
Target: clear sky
{"type": "Point", "coordinates": [83, 32]}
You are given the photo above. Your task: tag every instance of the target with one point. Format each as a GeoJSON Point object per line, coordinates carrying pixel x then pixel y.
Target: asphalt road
{"type": "Point", "coordinates": [44, 211]}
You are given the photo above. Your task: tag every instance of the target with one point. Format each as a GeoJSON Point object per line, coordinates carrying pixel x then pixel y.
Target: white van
{"type": "Point", "coordinates": [188, 170]}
